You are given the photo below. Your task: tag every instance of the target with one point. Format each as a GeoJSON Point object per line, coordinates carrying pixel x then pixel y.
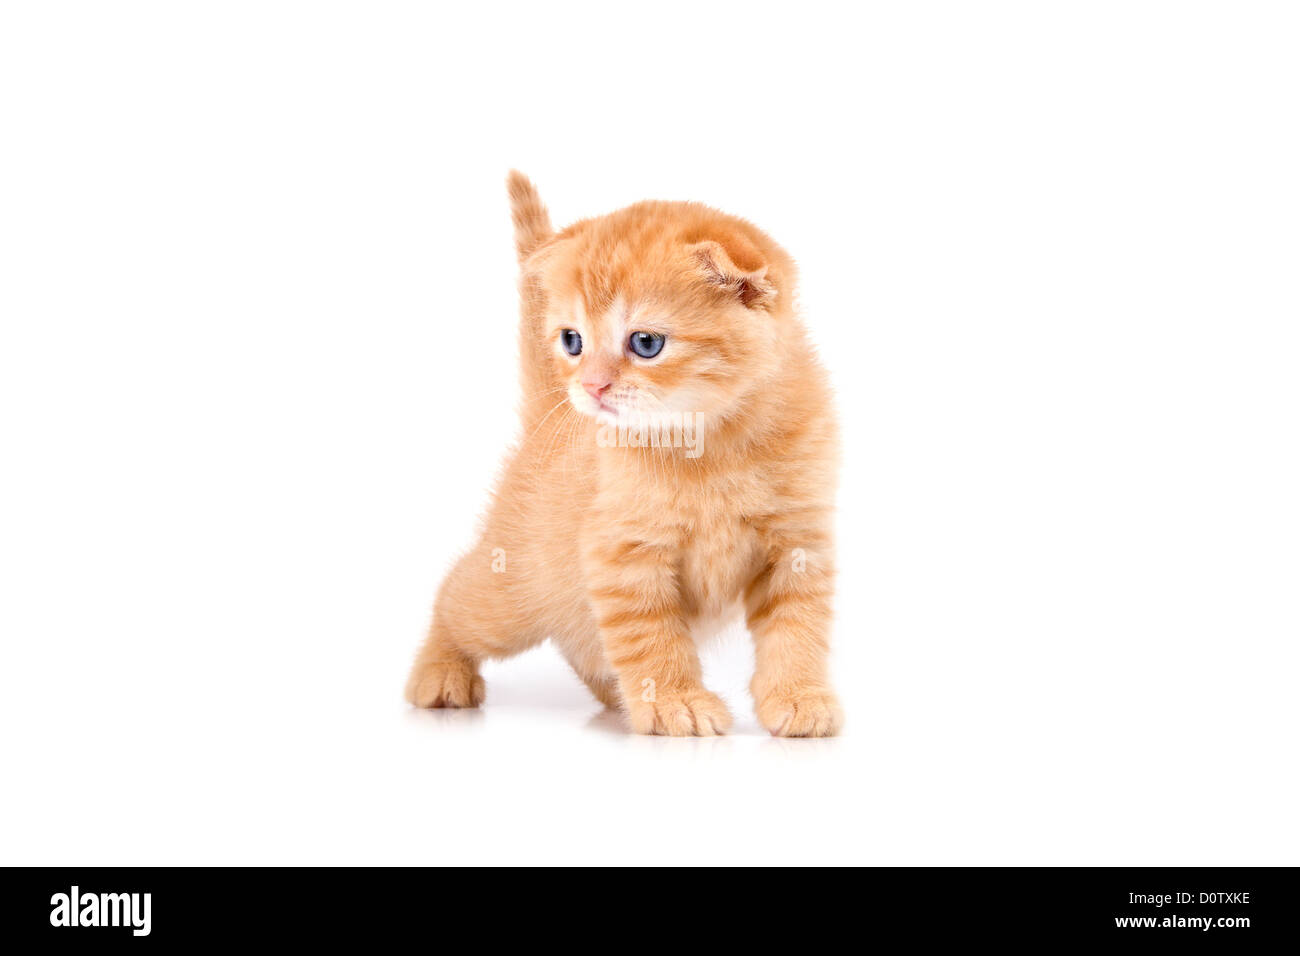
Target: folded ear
{"type": "Point", "coordinates": [750, 286]}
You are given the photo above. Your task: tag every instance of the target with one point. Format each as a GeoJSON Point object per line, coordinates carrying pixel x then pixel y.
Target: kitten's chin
{"type": "Point", "coordinates": [629, 415]}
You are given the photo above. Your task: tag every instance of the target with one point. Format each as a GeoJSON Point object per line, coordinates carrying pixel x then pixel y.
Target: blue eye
{"type": "Point", "coordinates": [571, 341]}
{"type": "Point", "coordinates": [646, 344]}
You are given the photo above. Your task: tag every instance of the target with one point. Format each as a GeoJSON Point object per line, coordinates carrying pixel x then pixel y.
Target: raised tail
{"type": "Point", "coordinates": [532, 229]}
{"type": "Point", "coordinates": [532, 222]}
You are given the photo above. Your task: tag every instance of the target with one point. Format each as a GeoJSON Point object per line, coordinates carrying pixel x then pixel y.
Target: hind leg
{"type": "Point", "coordinates": [476, 617]}
{"type": "Point", "coordinates": [604, 689]}
{"type": "Point", "coordinates": [581, 648]}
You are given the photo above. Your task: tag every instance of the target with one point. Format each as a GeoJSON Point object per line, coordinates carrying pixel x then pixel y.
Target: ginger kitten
{"type": "Point", "coordinates": [677, 466]}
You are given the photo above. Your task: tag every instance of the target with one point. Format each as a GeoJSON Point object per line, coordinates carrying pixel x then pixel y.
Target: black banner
{"type": "Point", "coordinates": [1224, 908]}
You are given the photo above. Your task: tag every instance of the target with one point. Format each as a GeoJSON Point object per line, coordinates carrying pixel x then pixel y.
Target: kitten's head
{"type": "Point", "coordinates": [663, 309]}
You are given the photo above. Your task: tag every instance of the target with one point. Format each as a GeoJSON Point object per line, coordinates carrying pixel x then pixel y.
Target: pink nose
{"type": "Point", "coordinates": [595, 389]}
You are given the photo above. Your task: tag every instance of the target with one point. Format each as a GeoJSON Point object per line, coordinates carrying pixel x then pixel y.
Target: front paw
{"type": "Point", "coordinates": [806, 712]}
{"type": "Point", "coordinates": [688, 713]}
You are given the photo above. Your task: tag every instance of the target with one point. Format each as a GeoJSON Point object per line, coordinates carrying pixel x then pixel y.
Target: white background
{"type": "Point", "coordinates": [257, 372]}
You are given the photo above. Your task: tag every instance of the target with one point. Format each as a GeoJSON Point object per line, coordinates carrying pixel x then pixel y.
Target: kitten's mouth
{"type": "Point", "coordinates": [600, 410]}
{"type": "Point", "coordinates": [620, 410]}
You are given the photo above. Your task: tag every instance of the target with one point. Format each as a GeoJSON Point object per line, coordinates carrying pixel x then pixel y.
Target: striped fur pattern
{"type": "Point", "coordinates": [625, 551]}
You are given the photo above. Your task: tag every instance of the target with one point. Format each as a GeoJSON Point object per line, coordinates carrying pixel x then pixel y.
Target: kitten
{"type": "Point", "coordinates": [678, 465]}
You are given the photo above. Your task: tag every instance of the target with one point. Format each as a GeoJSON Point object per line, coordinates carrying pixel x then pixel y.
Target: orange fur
{"type": "Point", "coordinates": [621, 550]}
